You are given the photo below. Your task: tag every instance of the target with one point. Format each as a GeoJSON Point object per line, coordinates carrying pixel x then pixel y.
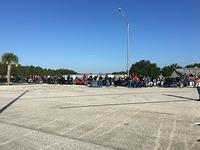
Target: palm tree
{"type": "Point", "coordinates": [9, 59]}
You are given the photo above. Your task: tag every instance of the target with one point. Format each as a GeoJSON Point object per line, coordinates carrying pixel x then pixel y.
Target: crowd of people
{"type": "Point", "coordinates": [132, 81]}
{"type": "Point", "coordinates": [135, 81]}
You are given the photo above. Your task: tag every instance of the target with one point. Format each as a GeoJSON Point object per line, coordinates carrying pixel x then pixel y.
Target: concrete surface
{"type": "Point", "coordinates": [82, 118]}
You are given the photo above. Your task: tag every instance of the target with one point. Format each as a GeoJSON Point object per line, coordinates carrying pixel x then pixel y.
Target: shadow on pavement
{"type": "Point", "coordinates": [180, 97]}
{"type": "Point", "coordinates": [9, 104]}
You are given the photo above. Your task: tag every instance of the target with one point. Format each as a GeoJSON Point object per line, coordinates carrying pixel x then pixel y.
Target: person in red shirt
{"type": "Point", "coordinates": [135, 80]}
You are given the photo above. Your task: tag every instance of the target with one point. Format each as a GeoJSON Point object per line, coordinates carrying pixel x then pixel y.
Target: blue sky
{"type": "Point", "coordinates": [90, 35]}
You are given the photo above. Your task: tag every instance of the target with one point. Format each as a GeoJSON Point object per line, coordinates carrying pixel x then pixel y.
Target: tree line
{"type": "Point", "coordinates": [146, 68]}
{"type": "Point", "coordinates": [34, 70]}
{"type": "Point", "coordinates": [10, 60]}
{"type": "Point", "coordinates": [143, 67]}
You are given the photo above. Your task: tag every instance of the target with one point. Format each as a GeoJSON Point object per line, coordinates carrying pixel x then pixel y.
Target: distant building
{"type": "Point", "coordinates": [186, 71]}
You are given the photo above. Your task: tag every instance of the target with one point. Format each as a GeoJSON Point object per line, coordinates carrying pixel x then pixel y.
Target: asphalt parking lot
{"type": "Point", "coordinates": [82, 118]}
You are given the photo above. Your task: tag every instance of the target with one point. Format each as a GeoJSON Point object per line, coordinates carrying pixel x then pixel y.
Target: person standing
{"type": "Point", "coordinates": [115, 81]}
{"type": "Point", "coordinates": [100, 81]}
{"type": "Point", "coordinates": [107, 80]}
{"type": "Point", "coordinates": [198, 86]}
{"type": "Point", "coordinates": [136, 80]}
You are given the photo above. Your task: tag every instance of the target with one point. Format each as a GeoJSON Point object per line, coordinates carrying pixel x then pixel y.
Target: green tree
{"type": "Point", "coordinates": [26, 71]}
{"type": "Point", "coordinates": [9, 59]}
{"type": "Point", "coordinates": [120, 72]}
{"type": "Point", "coordinates": [3, 68]}
{"type": "Point", "coordinates": [193, 65]}
{"type": "Point", "coordinates": [145, 68]}
{"type": "Point", "coordinates": [168, 70]}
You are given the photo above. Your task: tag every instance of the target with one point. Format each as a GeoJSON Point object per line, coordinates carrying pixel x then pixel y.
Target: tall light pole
{"type": "Point", "coordinates": [128, 30]}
